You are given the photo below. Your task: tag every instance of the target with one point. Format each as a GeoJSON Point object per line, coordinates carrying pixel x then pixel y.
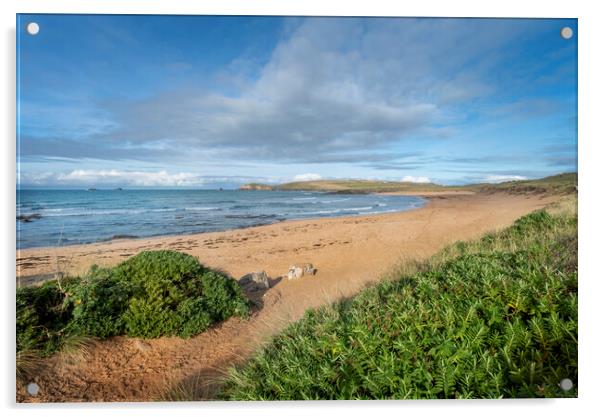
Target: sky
{"type": "Point", "coordinates": [218, 101]}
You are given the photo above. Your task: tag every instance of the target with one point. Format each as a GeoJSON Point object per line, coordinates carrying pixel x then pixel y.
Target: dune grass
{"type": "Point", "coordinates": [493, 318]}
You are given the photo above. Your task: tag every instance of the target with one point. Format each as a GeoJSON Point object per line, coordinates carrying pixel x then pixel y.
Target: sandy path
{"type": "Point", "coordinates": [349, 252]}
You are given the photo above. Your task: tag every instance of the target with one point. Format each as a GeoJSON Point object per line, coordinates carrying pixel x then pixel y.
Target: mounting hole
{"type": "Point", "coordinates": [566, 384]}
{"type": "Point", "coordinates": [33, 28]}
{"type": "Point", "coordinates": [33, 388]}
{"type": "Point", "coordinates": [566, 32]}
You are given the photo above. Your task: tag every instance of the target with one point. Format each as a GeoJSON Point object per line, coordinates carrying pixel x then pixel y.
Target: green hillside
{"type": "Point", "coordinates": [557, 184]}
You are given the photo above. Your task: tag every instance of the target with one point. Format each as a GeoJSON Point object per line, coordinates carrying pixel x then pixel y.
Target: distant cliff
{"type": "Point", "coordinates": [256, 187]}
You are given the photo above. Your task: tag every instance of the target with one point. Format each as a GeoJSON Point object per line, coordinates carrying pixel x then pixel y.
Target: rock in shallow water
{"type": "Point", "coordinates": [26, 218]}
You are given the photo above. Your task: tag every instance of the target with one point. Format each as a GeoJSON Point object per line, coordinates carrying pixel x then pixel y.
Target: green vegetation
{"type": "Point", "coordinates": [41, 318]}
{"type": "Point", "coordinates": [558, 184]}
{"type": "Point", "coordinates": [155, 293]}
{"type": "Point", "coordinates": [486, 319]}
{"type": "Point", "coordinates": [362, 186]}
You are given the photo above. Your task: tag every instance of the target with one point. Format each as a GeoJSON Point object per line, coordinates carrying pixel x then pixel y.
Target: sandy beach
{"type": "Point", "coordinates": [349, 253]}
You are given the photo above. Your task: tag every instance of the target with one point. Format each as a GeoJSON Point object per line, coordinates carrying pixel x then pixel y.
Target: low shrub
{"type": "Point", "coordinates": [41, 317]}
{"type": "Point", "coordinates": [153, 294]}
{"type": "Point", "coordinates": [489, 319]}
{"type": "Point", "coordinates": [98, 304]}
{"type": "Point", "coordinates": [175, 295]}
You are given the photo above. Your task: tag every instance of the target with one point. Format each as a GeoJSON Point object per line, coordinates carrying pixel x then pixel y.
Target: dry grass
{"type": "Point", "coordinates": [77, 348]}
{"type": "Point", "coordinates": [198, 387]}
{"type": "Point", "coordinates": [28, 362]}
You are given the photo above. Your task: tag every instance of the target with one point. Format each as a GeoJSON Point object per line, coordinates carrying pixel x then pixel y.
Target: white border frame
{"type": "Point", "coordinates": [590, 68]}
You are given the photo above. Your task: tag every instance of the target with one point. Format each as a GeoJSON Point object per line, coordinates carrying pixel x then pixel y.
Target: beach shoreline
{"type": "Point", "coordinates": [52, 218]}
{"type": "Point", "coordinates": [427, 197]}
{"type": "Point", "coordinates": [43, 269]}
{"type": "Point", "coordinates": [38, 264]}
{"type": "Point", "coordinates": [349, 253]}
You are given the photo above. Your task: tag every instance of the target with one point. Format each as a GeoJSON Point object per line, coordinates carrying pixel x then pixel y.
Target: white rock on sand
{"type": "Point", "coordinates": [296, 272]}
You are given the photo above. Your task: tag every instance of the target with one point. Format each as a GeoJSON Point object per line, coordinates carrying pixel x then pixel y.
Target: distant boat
{"type": "Point", "coordinates": [118, 189]}
{"type": "Point", "coordinates": [91, 189]}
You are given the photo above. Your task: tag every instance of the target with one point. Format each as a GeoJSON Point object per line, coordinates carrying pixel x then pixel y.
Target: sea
{"type": "Point", "coordinates": [68, 217]}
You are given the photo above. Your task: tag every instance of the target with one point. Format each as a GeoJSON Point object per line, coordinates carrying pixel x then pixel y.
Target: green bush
{"type": "Point", "coordinates": [492, 318]}
{"type": "Point", "coordinates": [98, 304]}
{"type": "Point", "coordinates": [41, 317]}
{"type": "Point", "coordinates": [163, 280]}
{"type": "Point", "coordinates": [175, 295]}
{"type": "Point", "coordinates": [536, 221]}
{"type": "Point", "coordinates": [223, 298]}
{"type": "Point", "coordinates": [153, 294]}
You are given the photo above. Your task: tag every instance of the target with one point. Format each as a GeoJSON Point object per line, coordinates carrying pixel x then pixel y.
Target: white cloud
{"type": "Point", "coordinates": [503, 178]}
{"type": "Point", "coordinates": [133, 178]}
{"type": "Point", "coordinates": [411, 178]}
{"type": "Point", "coordinates": [116, 177]}
{"type": "Point", "coordinates": [336, 86]}
{"type": "Point", "coordinates": [307, 177]}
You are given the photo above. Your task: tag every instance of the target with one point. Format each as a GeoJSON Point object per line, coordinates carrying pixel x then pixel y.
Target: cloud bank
{"type": "Point", "coordinates": [346, 89]}
{"type": "Point", "coordinates": [503, 178]}
{"type": "Point", "coordinates": [363, 93]}
{"type": "Point", "coordinates": [307, 177]}
{"type": "Point", "coordinates": [411, 178]}
{"type": "Point", "coordinates": [114, 178]}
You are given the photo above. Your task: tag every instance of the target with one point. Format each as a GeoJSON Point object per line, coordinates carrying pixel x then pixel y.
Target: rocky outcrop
{"type": "Point", "coordinates": [255, 281]}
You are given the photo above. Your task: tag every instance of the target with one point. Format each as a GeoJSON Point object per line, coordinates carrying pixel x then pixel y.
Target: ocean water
{"type": "Point", "coordinates": [79, 216]}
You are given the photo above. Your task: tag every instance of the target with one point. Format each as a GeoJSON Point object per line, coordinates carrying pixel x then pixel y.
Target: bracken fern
{"type": "Point", "coordinates": [492, 318]}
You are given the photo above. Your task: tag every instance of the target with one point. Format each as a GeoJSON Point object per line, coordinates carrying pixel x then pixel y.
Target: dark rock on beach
{"type": "Point", "coordinates": [255, 281]}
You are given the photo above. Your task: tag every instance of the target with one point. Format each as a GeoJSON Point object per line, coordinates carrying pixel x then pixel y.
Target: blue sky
{"type": "Point", "coordinates": [209, 101]}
